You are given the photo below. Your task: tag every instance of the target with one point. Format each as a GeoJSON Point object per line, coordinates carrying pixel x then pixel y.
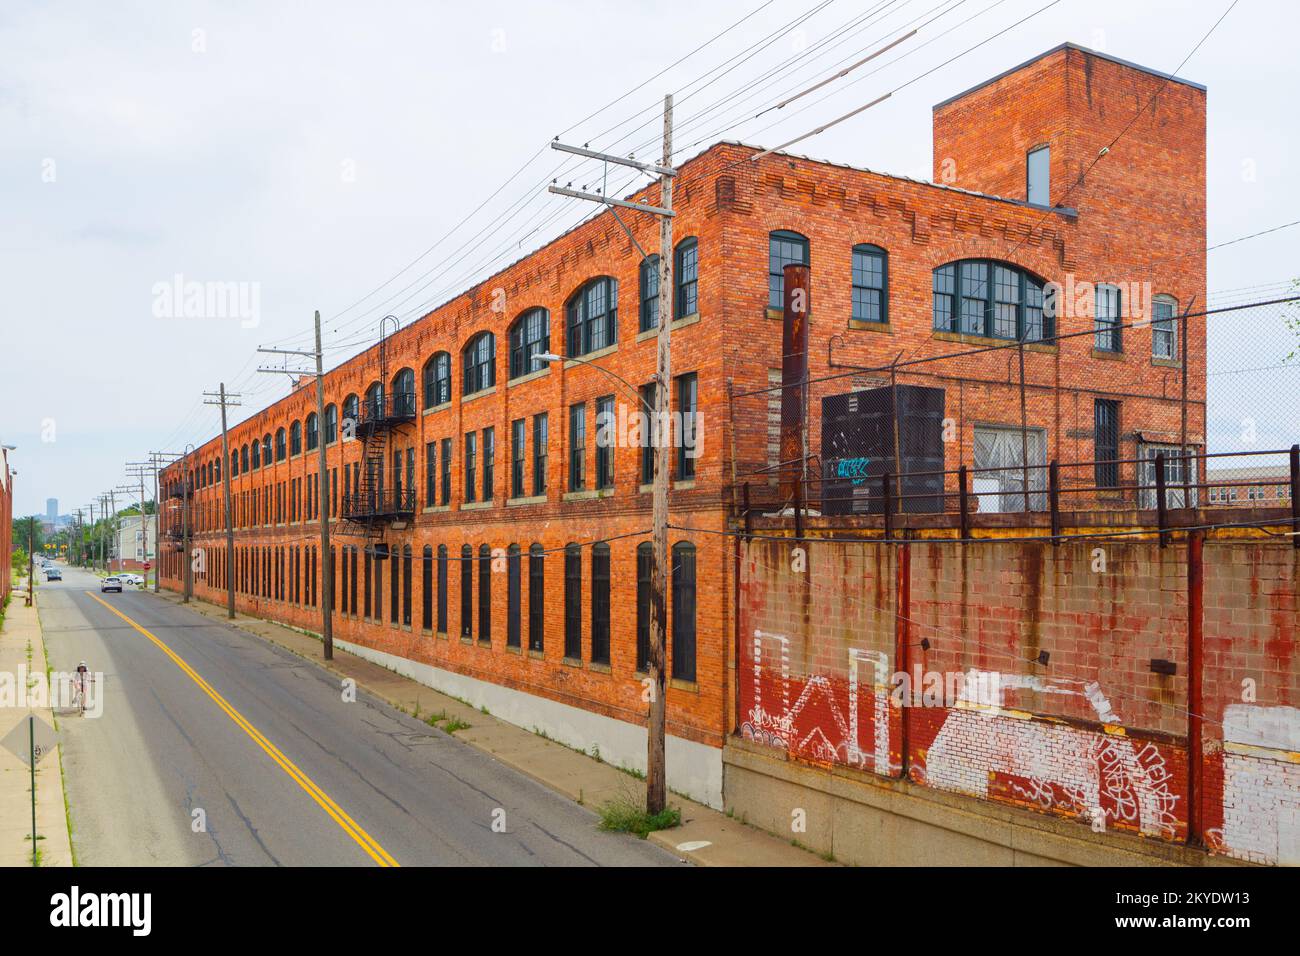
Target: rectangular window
{"type": "Point", "coordinates": [471, 466]}
{"type": "Point", "coordinates": [539, 453]}
{"type": "Point", "coordinates": [687, 399]}
{"type": "Point", "coordinates": [869, 284]}
{"type": "Point", "coordinates": [605, 439]}
{"type": "Point", "coordinates": [1106, 442]}
{"type": "Point", "coordinates": [394, 584]}
{"type": "Point", "coordinates": [573, 602]}
{"type": "Point", "coordinates": [1106, 319]}
{"type": "Point", "coordinates": [783, 249]}
{"type": "Point", "coordinates": [409, 503]}
{"type": "Point", "coordinates": [446, 471]}
{"type": "Point", "coordinates": [518, 433]}
{"type": "Point", "coordinates": [430, 474]}
{"type": "Point", "coordinates": [489, 461]}
{"type": "Point", "coordinates": [1164, 329]}
{"type": "Point", "coordinates": [1000, 450]}
{"type": "Point", "coordinates": [536, 597]}
{"type": "Point", "coordinates": [1038, 179]}
{"type": "Point", "coordinates": [484, 595]}
{"type": "Point", "coordinates": [577, 447]}
{"type": "Point", "coordinates": [1180, 476]}
{"type": "Point", "coordinates": [600, 604]}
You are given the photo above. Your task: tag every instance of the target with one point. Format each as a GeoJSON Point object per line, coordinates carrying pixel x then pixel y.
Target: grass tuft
{"type": "Point", "coordinates": [626, 815]}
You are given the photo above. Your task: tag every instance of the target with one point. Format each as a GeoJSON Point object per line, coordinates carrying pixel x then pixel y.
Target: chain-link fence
{"type": "Point", "coordinates": [1162, 411]}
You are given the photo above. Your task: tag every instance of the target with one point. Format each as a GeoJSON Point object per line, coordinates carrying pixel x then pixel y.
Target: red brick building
{"type": "Point", "coordinates": [492, 453]}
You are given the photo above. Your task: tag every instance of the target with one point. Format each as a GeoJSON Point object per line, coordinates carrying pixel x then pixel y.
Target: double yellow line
{"type": "Point", "coordinates": [350, 827]}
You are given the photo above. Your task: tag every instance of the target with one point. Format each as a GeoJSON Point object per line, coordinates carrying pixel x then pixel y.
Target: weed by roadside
{"type": "Point", "coordinates": [627, 815]}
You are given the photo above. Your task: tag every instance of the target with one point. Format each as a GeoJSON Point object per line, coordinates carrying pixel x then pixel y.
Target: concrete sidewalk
{"type": "Point", "coordinates": [23, 649]}
{"type": "Point", "coordinates": [706, 837]}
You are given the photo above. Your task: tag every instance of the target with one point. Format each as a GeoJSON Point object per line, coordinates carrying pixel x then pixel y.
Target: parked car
{"type": "Point", "coordinates": [111, 583]}
{"type": "Point", "coordinates": [53, 574]}
{"type": "Point", "coordinates": [129, 578]}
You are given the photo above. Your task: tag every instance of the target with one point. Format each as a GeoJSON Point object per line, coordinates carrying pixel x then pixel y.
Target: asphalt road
{"type": "Point", "coordinates": [268, 765]}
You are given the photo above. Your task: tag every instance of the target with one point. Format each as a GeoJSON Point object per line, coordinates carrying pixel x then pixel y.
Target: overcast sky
{"type": "Point", "coordinates": [314, 150]}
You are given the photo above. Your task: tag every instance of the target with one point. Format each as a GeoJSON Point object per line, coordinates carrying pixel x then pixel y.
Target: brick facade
{"type": "Point", "coordinates": [730, 205]}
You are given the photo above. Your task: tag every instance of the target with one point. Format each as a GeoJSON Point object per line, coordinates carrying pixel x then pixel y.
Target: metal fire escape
{"type": "Point", "coordinates": [374, 503]}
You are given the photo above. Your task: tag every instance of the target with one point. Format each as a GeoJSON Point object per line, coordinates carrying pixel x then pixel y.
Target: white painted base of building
{"type": "Point", "coordinates": [694, 769]}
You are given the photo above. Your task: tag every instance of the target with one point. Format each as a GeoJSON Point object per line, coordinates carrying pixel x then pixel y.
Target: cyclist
{"type": "Point", "coordinates": [79, 685]}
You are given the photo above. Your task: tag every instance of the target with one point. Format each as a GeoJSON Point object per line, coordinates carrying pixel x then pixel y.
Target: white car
{"type": "Point", "coordinates": [132, 579]}
{"type": "Point", "coordinates": [111, 583]}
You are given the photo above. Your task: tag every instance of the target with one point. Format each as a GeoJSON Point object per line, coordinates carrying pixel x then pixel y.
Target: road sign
{"type": "Point", "coordinates": [147, 565]}
{"type": "Point", "coordinates": [42, 740]}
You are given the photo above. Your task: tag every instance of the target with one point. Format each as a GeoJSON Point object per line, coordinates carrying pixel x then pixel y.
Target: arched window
{"type": "Point", "coordinates": [683, 619]}
{"type": "Point", "coordinates": [266, 447]}
{"type": "Point", "coordinates": [1164, 327]}
{"type": "Point", "coordinates": [686, 278]}
{"type": "Point", "coordinates": [404, 394]}
{"type": "Point", "coordinates": [280, 444]}
{"type": "Point", "coordinates": [645, 562]}
{"type": "Point", "coordinates": [480, 363]}
{"type": "Point", "coordinates": [484, 594]}
{"type": "Point", "coordinates": [375, 401]}
{"type": "Point", "coordinates": [295, 438]}
{"type": "Point", "coordinates": [600, 603]}
{"type": "Point", "coordinates": [514, 595]}
{"type": "Point", "coordinates": [442, 589]}
{"type": "Point", "coordinates": [990, 299]}
{"type": "Point", "coordinates": [536, 596]}
{"type": "Point", "coordinates": [243, 457]}
{"type": "Point", "coordinates": [649, 293]}
{"type": "Point", "coordinates": [313, 431]}
{"type": "Point", "coordinates": [529, 336]}
{"type": "Point", "coordinates": [351, 410]}
{"type": "Point", "coordinates": [870, 284]}
{"type": "Point", "coordinates": [216, 469]}
{"type": "Point", "coordinates": [234, 463]}
{"type": "Point", "coordinates": [592, 317]}
{"type": "Point", "coordinates": [257, 453]}
{"type": "Point", "coordinates": [437, 380]}
{"type": "Point", "coordinates": [426, 589]}
{"type": "Point", "coordinates": [783, 248]}
{"type": "Point", "coordinates": [466, 592]}
{"type": "Point", "coordinates": [331, 424]}
{"type": "Point", "coordinates": [573, 601]}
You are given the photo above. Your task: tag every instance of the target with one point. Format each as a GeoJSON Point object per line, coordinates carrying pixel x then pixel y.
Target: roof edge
{"type": "Point", "coordinates": [1080, 49]}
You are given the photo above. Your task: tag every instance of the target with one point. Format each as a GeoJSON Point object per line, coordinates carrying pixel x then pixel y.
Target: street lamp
{"type": "Point", "coordinates": [656, 720]}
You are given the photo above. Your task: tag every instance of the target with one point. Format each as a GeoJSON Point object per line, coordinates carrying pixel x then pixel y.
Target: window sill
{"type": "Point", "coordinates": [436, 509]}
{"type": "Point", "coordinates": [571, 662]}
{"type": "Point", "coordinates": [436, 408]}
{"type": "Point", "coordinates": [690, 686]}
{"type": "Point", "coordinates": [590, 356]}
{"type": "Point", "coordinates": [589, 495]}
{"type": "Point", "coordinates": [485, 645]}
{"type": "Point", "coordinates": [521, 502]}
{"type": "Point", "coordinates": [684, 485]}
{"type": "Point", "coordinates": [599, 668]}
{"type": "Point", "coordinates": [1107, 355]}
{"type": "Point", "coordinates": [536, 655]}
{"type": "Point", "coordinates": [530, 377]}
{"type": "Point", "coordinates": [1166, 363]}
{"type": "Point", "coordinates": [476, 506]}
{"type": "Point", "coordinates": [441, 635]}
{"type": "Point", "coordinates": [966, 338]}
{"type": "Point", "coordinates": [681, 323]}
{"type": "Point", "coordinates": [466, 640]}
{"type": "Point", "coordinates": [512, 650]}
{"type": "Point", "coordinates": [481, 393]}
{"type": "Point", "coordinates": [863, 325]}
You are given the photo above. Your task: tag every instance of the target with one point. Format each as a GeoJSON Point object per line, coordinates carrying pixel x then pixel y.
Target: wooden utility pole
{"type": "Point", "coordinates": [661, 432]}
{"type": "Point", "coordinates": [326, 565]}
{"type": "Point", "coordinates": [224, 400]}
